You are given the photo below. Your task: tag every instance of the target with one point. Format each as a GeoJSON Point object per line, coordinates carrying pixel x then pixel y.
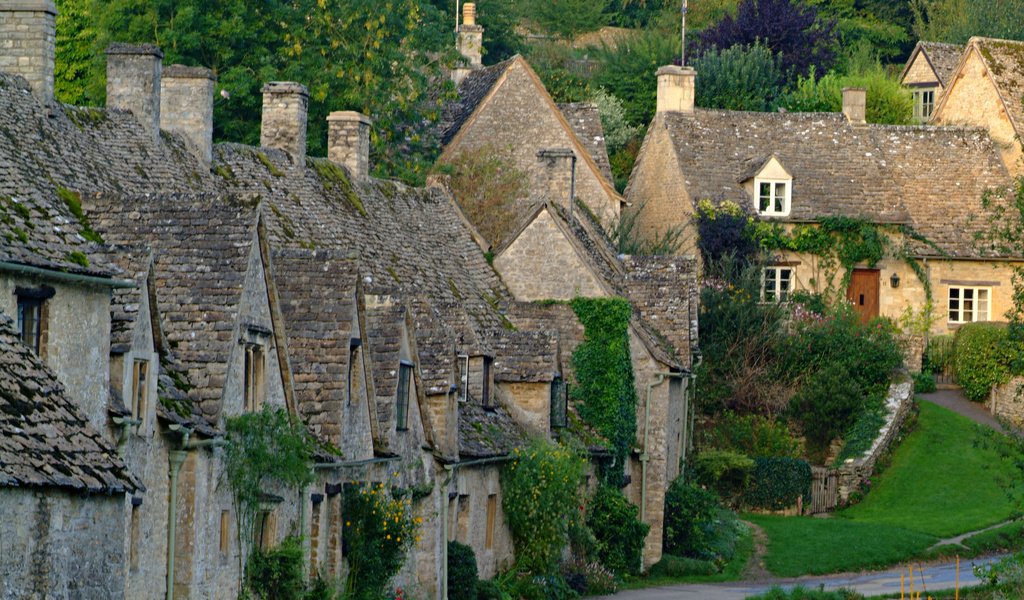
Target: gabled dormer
{"type": "Point", "coordinates": [770, 187]}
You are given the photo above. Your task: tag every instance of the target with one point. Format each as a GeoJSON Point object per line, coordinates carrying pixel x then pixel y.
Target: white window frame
{"type": "Point", "coordinates": [773, 196]}
{"type": "Point", "coordinates": [975, 313]}
{"type": "Point", "coordinates": [778, 294]}
{"type": "Point", "coordinates": [919, 104]}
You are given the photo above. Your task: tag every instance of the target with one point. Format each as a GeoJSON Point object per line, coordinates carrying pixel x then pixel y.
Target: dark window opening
{"type": "Point", "coordinates": [402, 399]}
{"type": "Point", "coordinates": [559, 403]}
{"type": "Point", "coordinates": [30, 322]}
{"type": "Point", "coordinates": [485, 394]}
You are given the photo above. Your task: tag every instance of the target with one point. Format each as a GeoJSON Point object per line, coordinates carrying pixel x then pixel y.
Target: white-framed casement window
{"type": "Point", "coordinates": [969, 304]}
{"type": "Point", "coordinates": [924, 104]}
{"type": "Point", "coordinates": [776, 284]}
{"type": "Point", "coordinates": [773, 196]}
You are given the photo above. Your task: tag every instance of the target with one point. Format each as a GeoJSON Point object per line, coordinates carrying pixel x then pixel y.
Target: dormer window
{"type": "Point", "coordinates": [255, 367]}
{"type": "Point", "coordinates": [773, 196]}
{"type": "Point", "coordinates": [402, 397]}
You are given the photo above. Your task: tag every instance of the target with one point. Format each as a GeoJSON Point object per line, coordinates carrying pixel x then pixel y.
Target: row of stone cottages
{"type": "Point", "coordinates": [154, 284]}
{"type": "Point", "coordinates": [934, 190]}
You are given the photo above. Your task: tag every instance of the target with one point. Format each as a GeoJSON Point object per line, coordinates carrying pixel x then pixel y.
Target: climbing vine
{"type": "Point", "coordinates": [378, 530]}
{"type": "Point", "coordinates": [605, 394]}
{"type": "Point", "coordinates": [264, 447]}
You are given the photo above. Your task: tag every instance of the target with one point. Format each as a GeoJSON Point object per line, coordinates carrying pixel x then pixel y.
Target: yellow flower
{"type": "Point", "coordinates": [389, 536]}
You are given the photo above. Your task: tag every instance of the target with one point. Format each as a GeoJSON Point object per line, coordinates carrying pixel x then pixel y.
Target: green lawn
{"type": "Point", "coordinates": [730, 572]}
{"type": "Point", "coordinates": [941, 482]}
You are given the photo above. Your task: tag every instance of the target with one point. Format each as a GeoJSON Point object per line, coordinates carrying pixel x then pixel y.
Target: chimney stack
{"type": "Point", "coordinates": [555, 177]}
{"type": "Point", "coordinates": [133, 82]}
{"type": "Point", "coordinates": [28, 34]}
{"type": "Point", "coordinates": [285, 109]}
{"type": "Point", "coordinates": [186, 106]}
{"type": "Point", "coordinates": [470, 43]}
{"type": "Point", "coordinates": [348, 142]}
{"type": "Point", "coordinates": [676, 89]}
{"type": "Point", "coordinates": [855, 105]}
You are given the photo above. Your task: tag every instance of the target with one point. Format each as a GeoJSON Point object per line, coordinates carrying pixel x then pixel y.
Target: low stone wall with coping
{"type": "Point", "coordinates": [1006, 401]}
{"type": "Point", "coordinates": [898, 402]}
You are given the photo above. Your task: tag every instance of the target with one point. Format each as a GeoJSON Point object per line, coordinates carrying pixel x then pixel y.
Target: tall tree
{"type": "Point", "coordinates": [788, 28]}
{"type": "Point", "coordinates": [565, 18]}
{"type": "Point", "coordinates": [955, 21]}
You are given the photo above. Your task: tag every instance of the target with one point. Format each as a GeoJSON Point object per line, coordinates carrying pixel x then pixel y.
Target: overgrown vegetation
{"type": "Point", "coordinates": [378, 531]}
{"type": "Point", "coordinates": [615, 523]}
{"type": "Point", "coordinates": [490, 190]}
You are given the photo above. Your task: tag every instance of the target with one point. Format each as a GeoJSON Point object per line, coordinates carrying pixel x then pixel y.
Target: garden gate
{"type": "Point", "coordinates": [824, 490]}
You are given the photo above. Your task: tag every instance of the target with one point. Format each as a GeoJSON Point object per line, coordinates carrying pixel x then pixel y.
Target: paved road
{"type": "Point", "coordinates": [955, 401]}
{"type": "Point", "coordinates": [938, 576]}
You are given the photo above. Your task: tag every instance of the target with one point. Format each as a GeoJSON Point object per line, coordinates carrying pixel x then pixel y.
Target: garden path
{"type": "Point", "coordinates": [955, 401]}
{"type": "Point", "coordinates": [958, 540]}
{"type": "Point", "coordinates": [937, 576]}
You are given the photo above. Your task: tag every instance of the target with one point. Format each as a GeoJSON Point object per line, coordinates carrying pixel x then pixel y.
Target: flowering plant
{"type": "Point", "coordinates": [378, 530]}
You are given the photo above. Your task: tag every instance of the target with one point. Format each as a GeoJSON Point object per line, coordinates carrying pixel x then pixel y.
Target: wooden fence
{"type": "Point", "coordinates": [824, 490]}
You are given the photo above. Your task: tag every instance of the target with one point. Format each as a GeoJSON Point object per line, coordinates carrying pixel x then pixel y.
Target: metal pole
{"type": "Point", "coordinates": [682, 51]}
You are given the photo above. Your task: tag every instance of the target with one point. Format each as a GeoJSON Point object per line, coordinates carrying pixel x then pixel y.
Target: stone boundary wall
{"type": "Point", "coordinates": [1007, 401]}
{"type": "Point", "coordinates": [898, 402]}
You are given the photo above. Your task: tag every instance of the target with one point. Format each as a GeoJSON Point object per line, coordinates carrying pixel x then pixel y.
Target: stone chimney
{"type": "Point", "coordinates": [348, 142]}
{"type": "Point", "coordinates": [855, 105]}
{"type": "Point", "coordinates": [470, 43]}
{"type": "Point", "coordinates": [28, 33]}
{"type": "Point", "coordinates": [285, 108]}
{"type": "Point", "coordinates": [186, 106]}
{"type": "Point", "coordinates": [676, 89]}
{"type": "Point", "coordinates": [555, 176]}
{"type": "Point", "coordinates": [133, 82]}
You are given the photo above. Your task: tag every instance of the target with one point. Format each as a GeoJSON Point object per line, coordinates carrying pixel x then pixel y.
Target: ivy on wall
{"type": "Point", "coordinates": [605, 394]}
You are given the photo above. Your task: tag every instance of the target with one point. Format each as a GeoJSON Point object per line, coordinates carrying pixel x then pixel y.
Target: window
{"type": "Point", "coordinates": [354, 344]}
{"type": "Point", "coordinates": [140, 385]}
{"type": "Point", "coordinates": [225, 531]}
{"type": "Point", "coordinates": [30, 322]}
{"type": "Point", "coordinates": [402, 400]}
{"type": "Point", "coordinates": [559, 391]}
{"type": "Point", "coordinates": [255, 364]}
{"type": "Point", "coordinates": [492, 511]}
{"type": "Point", "coordinates": [485, 394]}
{"type": "Point", "coordinates": [135, 537]}
{"type": "Point", "coordinates": [778, 282]}
{"type": "Point", "coordinates": [772, 196]}
{"type": "Point", "coordinates": [924, 104]}
{"type": "Point", "coordinates": [266, 530]}
{"type": "Point", "coordinates": [464, 378]}
{"type": "Point", "coordinates": [969, 304]}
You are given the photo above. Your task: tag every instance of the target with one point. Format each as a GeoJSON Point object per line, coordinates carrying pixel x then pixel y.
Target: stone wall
{"type": "Point", "coordinates": [921, 72]}
{"type": "Point", "coordinates": [59, 545]}
{"type": "Point", "coordinates": [467, 518]}
{"type": "Point", "coordinates": [29, 30]}
{"type": "Point", "coordinates": [898, 403]}
{"type": "Point", "coordinates": [541, 264]}
{"type": "Point", "coordinates": [972, 99]}
{"type": "Point", "coordinates": [1007, 401]}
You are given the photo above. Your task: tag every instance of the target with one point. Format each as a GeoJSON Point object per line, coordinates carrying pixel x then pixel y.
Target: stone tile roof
{"type": "Point", "coordinates": [918, 176]}
{"type": "Point", "coordinates": [663, 291]}
{"type": "Point", "coordinates": [44, 440]}
{"type": "Point", "coordinates": [435, 345]}
{"type": "Point", "coordinates": [385, 323]}
{"type": "Point", "coordinates": [125, 303]}
{"type": "Point", "coordinates": [944, 58]}
{"type": "Point", "coordinates": [472, 91]}
{"type": "Point", "coordinates": [201, 245]}
{"type": "Point", "coordinates": [525, 356]}
{"type": "Point", "coordinates": [585, 121]}
{"type": "Point", "coordinates": [317, 291]}
{"type": "Point", "coordinates": [1005, 62]}
{"type": "Point", "coordinates": [487, 433]}
{"type": "Point", "coordinates": [53, 154]}
{"type": "Point", "coordinates": [834, 167]}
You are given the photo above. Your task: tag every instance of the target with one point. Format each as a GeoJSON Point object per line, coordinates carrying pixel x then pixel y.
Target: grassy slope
{"type": "Point", "coordinates": [937, 486]}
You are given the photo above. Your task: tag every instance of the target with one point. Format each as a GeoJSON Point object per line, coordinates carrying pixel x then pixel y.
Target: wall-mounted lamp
{"type": "Point", "coordinates": [894, 281]}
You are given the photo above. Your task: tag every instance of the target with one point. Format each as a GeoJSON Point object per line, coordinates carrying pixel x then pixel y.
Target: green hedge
{"type": "Point", "coordinates": [725, 471]}
{"type": "Point", "coordinates": [981, 359]}
{"type": "Point", "coordinates": [777, 482]}
{"type": "Point", "coordinates": [462, 572]}
{"type": "Point", "coordinates": [620, 534]}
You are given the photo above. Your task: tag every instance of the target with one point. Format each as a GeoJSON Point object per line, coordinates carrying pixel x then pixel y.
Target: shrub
{"type": "Point", "coordinates": [541, 499]}
{"type": "Point", "coordinates": [725, 471]}
{"type": "Point", "coordinates": [980, 359]}
{"type": "Point", "coordinates": [924, 383]}
{"type": "Point", "coordinates": [276, 574]}
{"type": "Point", "coordinates": [620, 533]}
{"type": "Point", "coordinates": [802, 593]}
{"type": "Point", "coordinates": [462, 572]}
{"type": "Point", "coordinates": [861, 434]}
{"type": "Point", "coordinates": [827, 404]}
{"type": "Point", "coordinates": [378, 530]}
{"type": "Point", "coordinates": [777, 483]}
{"type": "Point", "coordinates": [689, 509]}
{"type": "Point", "coordinates": [681, 566]}
{"type": "Point", "coordinates": [589, 578]}
{"type": "Point", "coordinates": [487, 589]}
{"type": "Point", "coordinates": [887, 101]}
{"type": "Point", "coordinates": [752, 435]}
{"type": "Point", "coordinates": [724, 230]}
{"type": "Point", "coordinates": [739, 78]}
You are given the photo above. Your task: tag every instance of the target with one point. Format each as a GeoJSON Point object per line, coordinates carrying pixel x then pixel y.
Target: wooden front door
{"type": "Point", "coordinates": [863, 293]}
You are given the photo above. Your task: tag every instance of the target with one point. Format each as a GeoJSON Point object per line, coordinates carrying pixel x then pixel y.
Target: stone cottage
{"type": "Point", "coordinates": [504, 111]}
{"type": "Point", "coordinates": [925, 186]}
{"type": "Point", "coordinates": [169, 284]}
{"type": "Point", "coordinates": [928, 72]}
